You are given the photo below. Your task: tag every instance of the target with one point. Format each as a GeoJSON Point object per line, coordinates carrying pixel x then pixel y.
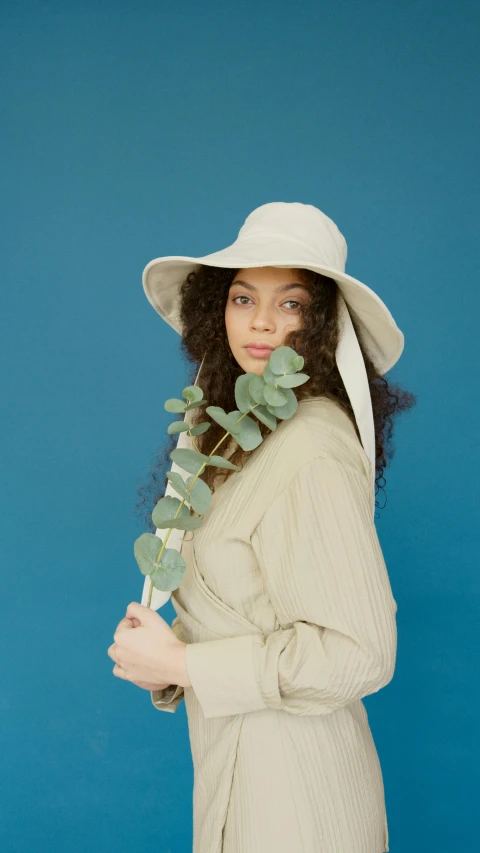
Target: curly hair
{"type": "Point", "coordinates": [203, 298]}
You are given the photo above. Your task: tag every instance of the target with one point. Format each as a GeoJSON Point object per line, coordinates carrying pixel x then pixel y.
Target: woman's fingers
{"type": "Point", "coordinates": [145, 686]}
{"type": "Point", "coordinates": [127, 623]}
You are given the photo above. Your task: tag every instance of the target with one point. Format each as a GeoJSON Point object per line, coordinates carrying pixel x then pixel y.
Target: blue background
{"type": "Point", "coordinates": [133, 130]}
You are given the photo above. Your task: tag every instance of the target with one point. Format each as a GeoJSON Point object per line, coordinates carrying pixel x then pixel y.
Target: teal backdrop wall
{"type": "Point", "coordinates": [137, 129]}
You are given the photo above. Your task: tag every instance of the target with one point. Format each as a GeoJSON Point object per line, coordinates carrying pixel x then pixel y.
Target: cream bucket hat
{"type": "Point", "coordinates": [300, 236]}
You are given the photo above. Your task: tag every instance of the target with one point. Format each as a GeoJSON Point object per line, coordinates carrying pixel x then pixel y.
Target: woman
{"type": "Point", "coordinates": [285, 618]}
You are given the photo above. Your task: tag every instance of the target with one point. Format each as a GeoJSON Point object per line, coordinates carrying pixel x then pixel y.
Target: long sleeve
{"type": "Point", "coordinates": [170, 697]}
{"type": "Point", "coordinates": [324, 572]}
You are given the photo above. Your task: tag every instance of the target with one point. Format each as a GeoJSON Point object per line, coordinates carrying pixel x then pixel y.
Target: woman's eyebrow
{"type": "Point", "coordinates": [279, 289]}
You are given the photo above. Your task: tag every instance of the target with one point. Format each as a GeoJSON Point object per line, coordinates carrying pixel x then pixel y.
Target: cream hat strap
{"type": "Point", "coordinates": [352, 369]}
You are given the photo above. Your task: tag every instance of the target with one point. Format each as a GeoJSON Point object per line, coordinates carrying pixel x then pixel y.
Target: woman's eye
{"type": "Point", "coordinates": [289, 301]}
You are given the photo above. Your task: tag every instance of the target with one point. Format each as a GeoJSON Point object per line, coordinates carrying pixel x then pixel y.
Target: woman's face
{"type": "Point", "coordinates": [263, 305]}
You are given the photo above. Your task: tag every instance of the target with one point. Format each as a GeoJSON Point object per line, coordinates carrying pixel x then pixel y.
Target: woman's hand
{"type": "Point", "coordinates": [147, 652]}
{"type": "Point", "coordinates": [125, 625]}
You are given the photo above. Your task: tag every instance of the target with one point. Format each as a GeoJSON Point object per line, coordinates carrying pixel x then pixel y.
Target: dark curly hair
{"type": "Point", "coordinates": [203, 298]}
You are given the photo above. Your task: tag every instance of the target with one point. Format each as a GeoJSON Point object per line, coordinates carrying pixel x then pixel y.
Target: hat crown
{"type": "Point", "coordinates": [318, 238]}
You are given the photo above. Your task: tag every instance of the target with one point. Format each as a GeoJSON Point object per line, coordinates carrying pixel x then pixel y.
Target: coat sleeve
{"type": "Point", "coordinates": [324, 572]}
{"type": "Point", "coordinates": [170, 697]}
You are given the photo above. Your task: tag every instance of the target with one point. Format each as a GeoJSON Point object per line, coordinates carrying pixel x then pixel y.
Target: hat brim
{"type": "Point", "coordinates": [381, 336]}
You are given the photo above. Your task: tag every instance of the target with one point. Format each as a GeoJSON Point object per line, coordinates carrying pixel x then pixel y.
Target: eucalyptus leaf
{"type": "Point", "coordinates": [298, 362]}
{"type": "Point", "coordinates": [266, 417]}
{"type": "Point", "coordinates": [235, 415]}
{"type": "Point", "coordinates": [250, 436]}
{"type": "Point", "coordinates": [178, 483]}
{"type": "Point", "coordinates": [166, 508]}
{"type": "Point", "coordinates": [174, 405]}
{"type": "Point", "coordinates": [220, 416]}
{"type": "Point", "coordinates": [292, 380]}
{"type": "Point", "coordinates": [171, 571]}
{"type": "Point", "coordinates": [200, 495]}
{"type": "Point", "coordinates": [200, 428]}
{"type": "Point", "coordinates": [177, 426]}
{"type": "Point", "coordinates": [195, 405]}
{"type": "Point", "coordinates": [220, 462]}
{"type": "Point", "coordinates": [189, 460]}
{"type": "Point", "coordinates": [285, 360]}
{"type": "Point", "coordinates": [187, 522]}
{"type": "Point", "coordinates": [192, 393]}
{"type": "Point", "coordinates": [256, 387]}
{"type": "Point", "coordinates": [269, 376]}
{"type": "Point", "coordinates": [242, 393]}
{"type": "Point", "coordinates": [146, 550]}
{"type": "Point", "coordinates": [290, 407]}
{"type": "Point", "coordinates": [274, 397]}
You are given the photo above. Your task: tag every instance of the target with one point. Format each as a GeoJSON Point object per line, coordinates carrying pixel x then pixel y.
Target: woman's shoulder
{"type": "Point", "coordinates": [320, 427]}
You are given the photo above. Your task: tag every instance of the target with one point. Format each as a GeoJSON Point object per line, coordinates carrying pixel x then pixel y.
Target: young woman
{"type": "Point", "coordinates": [285, 618]}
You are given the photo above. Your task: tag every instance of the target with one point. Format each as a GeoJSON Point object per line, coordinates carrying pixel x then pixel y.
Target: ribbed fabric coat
{"type": "Point", "coordinates": [290, 620]}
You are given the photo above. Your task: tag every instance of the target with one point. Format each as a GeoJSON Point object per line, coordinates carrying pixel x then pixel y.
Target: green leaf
{"type": "Point", "coordinates": [146, 549]}
{"type": "Point", "coordinates": [177, 426]}
{"type": "Point", "coordinates": [274, 397]}
{"type": "Point", "coordinates": [200, 428]}
{"type": "Point", "coordinates": [220, 462]}
{"type": "Point", "coordinates": [298, 362]}
{"type": "Point", "coordinates": [266, 417]}
{"type": "Point", "coordinates": [220, 416]}
{"type": "Point", "coordinates": [292, 380]}
{"type": "Point", "coordinates": [195, 405]}
{"type": "Point", "coordinates": [166, 508]}
{"type": "Point", "coordinates": [178, 484]}
{"type": "Point", "coordinates": [285, 360]}
{"type": "Point", "coordinates": [256, 388]}
{"type": "Point", "coordinates": [290, 407]}
{"type": "Point", "coordinates": [187, 522]}
{"type": "Point", "coordinates": [189, 460]}
{"type": "Point", "coordinates": [192, 393]}
{"type": "Point", "coordinates": [250, 436]}
{"type": "Point", "coordinates": [200, 495]}
{"type": "Point", "coordinates": [242, 393]}
{"type": "Point", "coordinates": [269, 376]}
{"type": "Point", "coordinates": [174, 405]}
{"type": "Point", "coordinates": [171, 571]}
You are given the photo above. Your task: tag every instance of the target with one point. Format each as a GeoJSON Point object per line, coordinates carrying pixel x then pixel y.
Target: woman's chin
{"type": "Point", "coordinates": [254, 365]}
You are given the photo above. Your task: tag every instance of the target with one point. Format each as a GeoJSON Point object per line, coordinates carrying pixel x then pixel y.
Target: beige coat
{"type": "Point", "coordinates": [289, 618]}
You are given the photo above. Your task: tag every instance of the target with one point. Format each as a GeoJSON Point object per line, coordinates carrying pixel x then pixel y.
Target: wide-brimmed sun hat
{"type": "Point", "coordinates": [297, 236]}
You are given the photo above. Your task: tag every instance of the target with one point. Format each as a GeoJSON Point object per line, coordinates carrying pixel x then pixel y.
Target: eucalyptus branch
{"type": "Point", "coordinates": [200, 471]}
{"type": "Point", "coordinates": [270, 396]}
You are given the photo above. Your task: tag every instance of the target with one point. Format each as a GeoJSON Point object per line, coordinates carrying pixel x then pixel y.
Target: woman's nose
{"type": "Point", "coordinates": [262, 319]}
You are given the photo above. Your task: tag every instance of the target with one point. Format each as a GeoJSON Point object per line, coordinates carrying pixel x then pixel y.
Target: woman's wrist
{"type": "Point", "coordinates": [180, 667]}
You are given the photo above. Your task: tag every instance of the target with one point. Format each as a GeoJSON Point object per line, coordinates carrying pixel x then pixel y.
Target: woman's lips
{"type": "Point", "coordinates": [259, 352]}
